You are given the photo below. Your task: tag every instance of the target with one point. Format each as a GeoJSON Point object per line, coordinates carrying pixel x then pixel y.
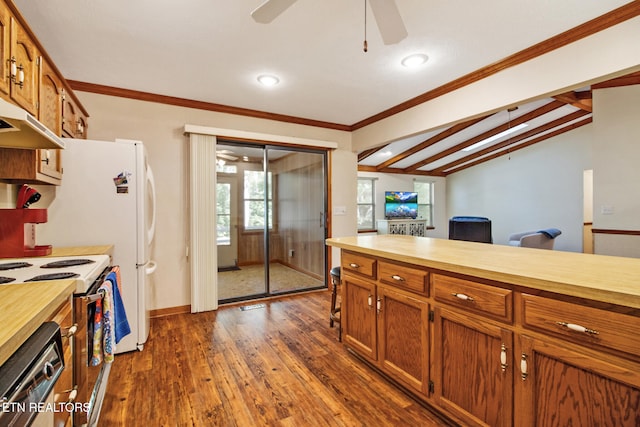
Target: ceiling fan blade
{"type": "Point", "coordinates": [226, 157]}
{"type": "Point", "coordinates": [389, 21]}
{"type": "Point", "coordinates": [270, 10]}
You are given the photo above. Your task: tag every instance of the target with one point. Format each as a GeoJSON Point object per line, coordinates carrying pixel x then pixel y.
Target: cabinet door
{"type": "Point", "coordinates": [5, 49]}
{"type": "Point", "coordinates": [50, 114]}
{"type": "Point", "coordinates": [64, 385]}
{"type": "Point", "coordinates": [73, 122]}
{"type": "Point", "coordinates": [359, 316]}
{"type": "Point", "coordinates": [473, 376]}
{"type": "Point", "coordinates": [24, 91]}
{"type": "Point", "coordinates": [403, 338]}
{"type": "Point", "coordinates": [557, 386]}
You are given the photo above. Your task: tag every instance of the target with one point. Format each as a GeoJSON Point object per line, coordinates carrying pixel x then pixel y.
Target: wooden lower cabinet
{"type": "Point", "coordinates": [403, 338]}
{"type": "Point", "coordinates": [390, 329]}
{"type": "Point", "coordinates": [359, 316]}
{"type": "Point", "coordinates": [63, 389]}
{"type": "Point", "coordinates": [472, 369]}
{"type": "Point", "coordinates": [492, 354]}
{"type": "Point", "coordinates": [560, 386]}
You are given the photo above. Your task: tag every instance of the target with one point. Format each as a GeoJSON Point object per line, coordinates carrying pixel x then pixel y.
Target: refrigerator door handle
{"type": "Point", "coordinates": [150, 268]}
{"type": "Point", "coordinates": [152, 192]}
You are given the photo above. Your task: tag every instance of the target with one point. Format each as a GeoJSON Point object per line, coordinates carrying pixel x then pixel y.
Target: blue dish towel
{"type": "Point", "coordinates": [120, 324]}
{"type": "Point", "coordinates": [552, 233]}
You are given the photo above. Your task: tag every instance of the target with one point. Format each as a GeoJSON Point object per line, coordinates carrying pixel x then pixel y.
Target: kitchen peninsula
{"type": "Point", "coordinates": [497, 335]}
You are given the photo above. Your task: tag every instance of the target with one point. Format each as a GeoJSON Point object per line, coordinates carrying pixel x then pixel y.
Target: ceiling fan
{"type": "Point", "coordinates": [386, 13]}
{"type": "Point", "coordinates": [226, 155]}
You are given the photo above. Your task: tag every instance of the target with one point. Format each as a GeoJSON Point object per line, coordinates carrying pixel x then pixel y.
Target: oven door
{"type": "Point", "coordinates": [90, 380]}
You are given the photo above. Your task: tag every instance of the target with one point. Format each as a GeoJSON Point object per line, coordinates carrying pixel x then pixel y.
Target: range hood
{"type": "Point", "coordinates": [19, 129]}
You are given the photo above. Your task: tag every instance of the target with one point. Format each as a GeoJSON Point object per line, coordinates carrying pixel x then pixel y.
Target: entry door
{"type": "Point", "coordinates": [227, 222]}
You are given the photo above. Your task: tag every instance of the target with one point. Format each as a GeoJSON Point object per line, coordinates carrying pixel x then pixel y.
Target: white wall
{"type": "Point", "coordinates": [160, 127]}
{"type": "Point", "coordinates": [616, 174]}
{"type": "Point", "coordinates": [540, 186]}
{"type": "Point", "coordinates": [397, 182]}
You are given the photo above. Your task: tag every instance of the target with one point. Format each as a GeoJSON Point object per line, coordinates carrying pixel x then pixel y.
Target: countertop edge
{"type": "Point", "coordinates": [609, 296]}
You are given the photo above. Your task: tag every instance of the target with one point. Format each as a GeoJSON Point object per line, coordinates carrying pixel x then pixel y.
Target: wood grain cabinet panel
{"type": "Point", "coordinates": [404, 277]}
{"type": "Point", "coordinates": [584, 325]}
{"type": "Point", "coordinates": [64, 386]}
{"type": "Point", "coordinates": [473, 372]}
{"type": "Point", "coordinates": [26, 56]}
{"type": "Point", "coordinates": [5, 50]}
{"type": "Point", "coordinates": [359, 264]}
{"type": "Point", "coordinates": [475, 297]}
{"type": "Point", "coordinates": [359, 316]}
{"type": "Point", "coordinates": [558, 386]}
{"type": "Point", "coordinates": [403, 338]}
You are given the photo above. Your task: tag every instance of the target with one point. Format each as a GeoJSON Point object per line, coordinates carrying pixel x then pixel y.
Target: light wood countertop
{"type": "Point", "coordinates": [608, 279]}
{"type": "Point", "coordinates": [24, 307]}
{"type": "Point", "coordinates": [82, 250]}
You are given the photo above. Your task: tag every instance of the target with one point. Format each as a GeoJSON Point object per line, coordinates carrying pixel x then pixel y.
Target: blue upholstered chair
{"type": "Point", "coordinates": [542, 239]}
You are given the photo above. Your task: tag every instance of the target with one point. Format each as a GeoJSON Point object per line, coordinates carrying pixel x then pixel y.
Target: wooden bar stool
{"type": "Point", "coordinates": [334, 316]}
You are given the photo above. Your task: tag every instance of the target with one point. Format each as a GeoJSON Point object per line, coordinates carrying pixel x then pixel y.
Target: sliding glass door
{"type": "Point", "coordinates": [271, 220]}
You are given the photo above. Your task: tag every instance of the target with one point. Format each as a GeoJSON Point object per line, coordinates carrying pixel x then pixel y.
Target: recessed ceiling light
{"type": "Point", "coordinates": [415, 60]}
{"type": "Point", "coordinates": [268, 80]}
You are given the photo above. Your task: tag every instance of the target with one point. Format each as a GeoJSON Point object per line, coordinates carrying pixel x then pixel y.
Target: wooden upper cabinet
{"type": "Point", "coordinates": [74, 122]}
{"type": "Point", "coordinates": [24, 60]}
{"type": "Point", "coordinates": [5, 49]}
{"type": "Point", "coordinates": [51, 94]}
{"type": "Point", "coordinates": [50, 114]}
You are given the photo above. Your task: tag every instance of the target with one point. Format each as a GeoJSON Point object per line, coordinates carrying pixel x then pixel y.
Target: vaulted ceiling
{"type": "Point", "coordinates": [208, 53]}
{"type": "Point", "coordinates": [451, 149]}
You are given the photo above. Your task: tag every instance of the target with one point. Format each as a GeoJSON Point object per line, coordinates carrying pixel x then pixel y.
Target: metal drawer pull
{"type": "Point", "coordinates": [398, 278]}
{"type": "Point", "coordinates": [378, 305]}
{"type": "Point", "coordinates": [524, 368]}
{"type": "Point", "coordinates": [71, 331]}
{"type": "Point", "coordinates": [354, 265]}
{"type": "Point", "coordinates": [578, 328]}
{"type": "Point", "coordinates": [370, 302]}
{"type": "Point", "coordinates": [463, 297]}
{"type": "Point", "coordinates": [503, 357]}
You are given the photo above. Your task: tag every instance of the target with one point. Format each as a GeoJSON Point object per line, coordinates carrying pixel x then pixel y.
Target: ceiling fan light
{"type": "Point", "coordinates": [415, 60]}
{"type": "Point", "coordinates": [268, 80]}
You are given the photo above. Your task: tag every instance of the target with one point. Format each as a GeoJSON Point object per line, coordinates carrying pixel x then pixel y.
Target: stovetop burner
{"type": "Point", "coordinates": [67, 263]}
{"type": "Point", "coordinates": [14, 265]}
{"type": "Point", "coordinates": [53, 276]}
{"type": "Point", "coordinates": [5, 280]}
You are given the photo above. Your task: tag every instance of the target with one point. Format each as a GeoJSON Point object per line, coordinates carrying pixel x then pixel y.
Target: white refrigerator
{"type": "Point", "coordinates": [107, 196]}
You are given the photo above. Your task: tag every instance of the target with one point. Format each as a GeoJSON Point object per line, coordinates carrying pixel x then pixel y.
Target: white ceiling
{"type": "Point", "coordinates": [212, 51]}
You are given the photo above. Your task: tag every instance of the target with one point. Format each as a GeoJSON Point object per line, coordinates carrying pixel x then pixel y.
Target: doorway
{"type": "Point", "coordinates": [271, 205]}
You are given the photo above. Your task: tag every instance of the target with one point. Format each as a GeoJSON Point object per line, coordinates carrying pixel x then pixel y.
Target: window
{"type": "Point", "coordinates": [223, 211]}
{"type": "Point", "coordinates": [366, 204]}
{"type": "Point", "coordinates": [254, 195]}
{"type": "Point", "coordinates": [425, 200]}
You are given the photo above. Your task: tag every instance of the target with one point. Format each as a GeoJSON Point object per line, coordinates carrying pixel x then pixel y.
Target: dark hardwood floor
{"type": "Point", "coordinates": [280, 365]}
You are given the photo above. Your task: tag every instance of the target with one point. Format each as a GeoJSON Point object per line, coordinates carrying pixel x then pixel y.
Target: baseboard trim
{"type": "Point", "coordinates": [169, 311]}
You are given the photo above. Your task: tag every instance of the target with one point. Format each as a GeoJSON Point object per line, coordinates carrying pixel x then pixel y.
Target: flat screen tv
{"type": "Point", "coordinates": [400, 205]}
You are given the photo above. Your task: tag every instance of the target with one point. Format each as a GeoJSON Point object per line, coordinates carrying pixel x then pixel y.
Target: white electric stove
{"type": "Point", "coordinates": [84, 269]}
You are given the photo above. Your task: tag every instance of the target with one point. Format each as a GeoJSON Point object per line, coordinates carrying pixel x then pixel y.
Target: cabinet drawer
{"type": "Point", "coordinates": [360, 264]}
{"type": "Point", "coordinates": [402, 276]}
{"type": "Point", "coordinates": [477, 297]}
{"type": "Point", "coordinates": [582, 324]}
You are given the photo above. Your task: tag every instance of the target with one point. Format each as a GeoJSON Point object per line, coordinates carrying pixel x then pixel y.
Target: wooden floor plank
{"type": "Point", "coordinates": [280, 365]}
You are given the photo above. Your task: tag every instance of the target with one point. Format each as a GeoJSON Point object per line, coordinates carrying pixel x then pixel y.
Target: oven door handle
{"type": "Point", "coordinates": [94, 297]}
